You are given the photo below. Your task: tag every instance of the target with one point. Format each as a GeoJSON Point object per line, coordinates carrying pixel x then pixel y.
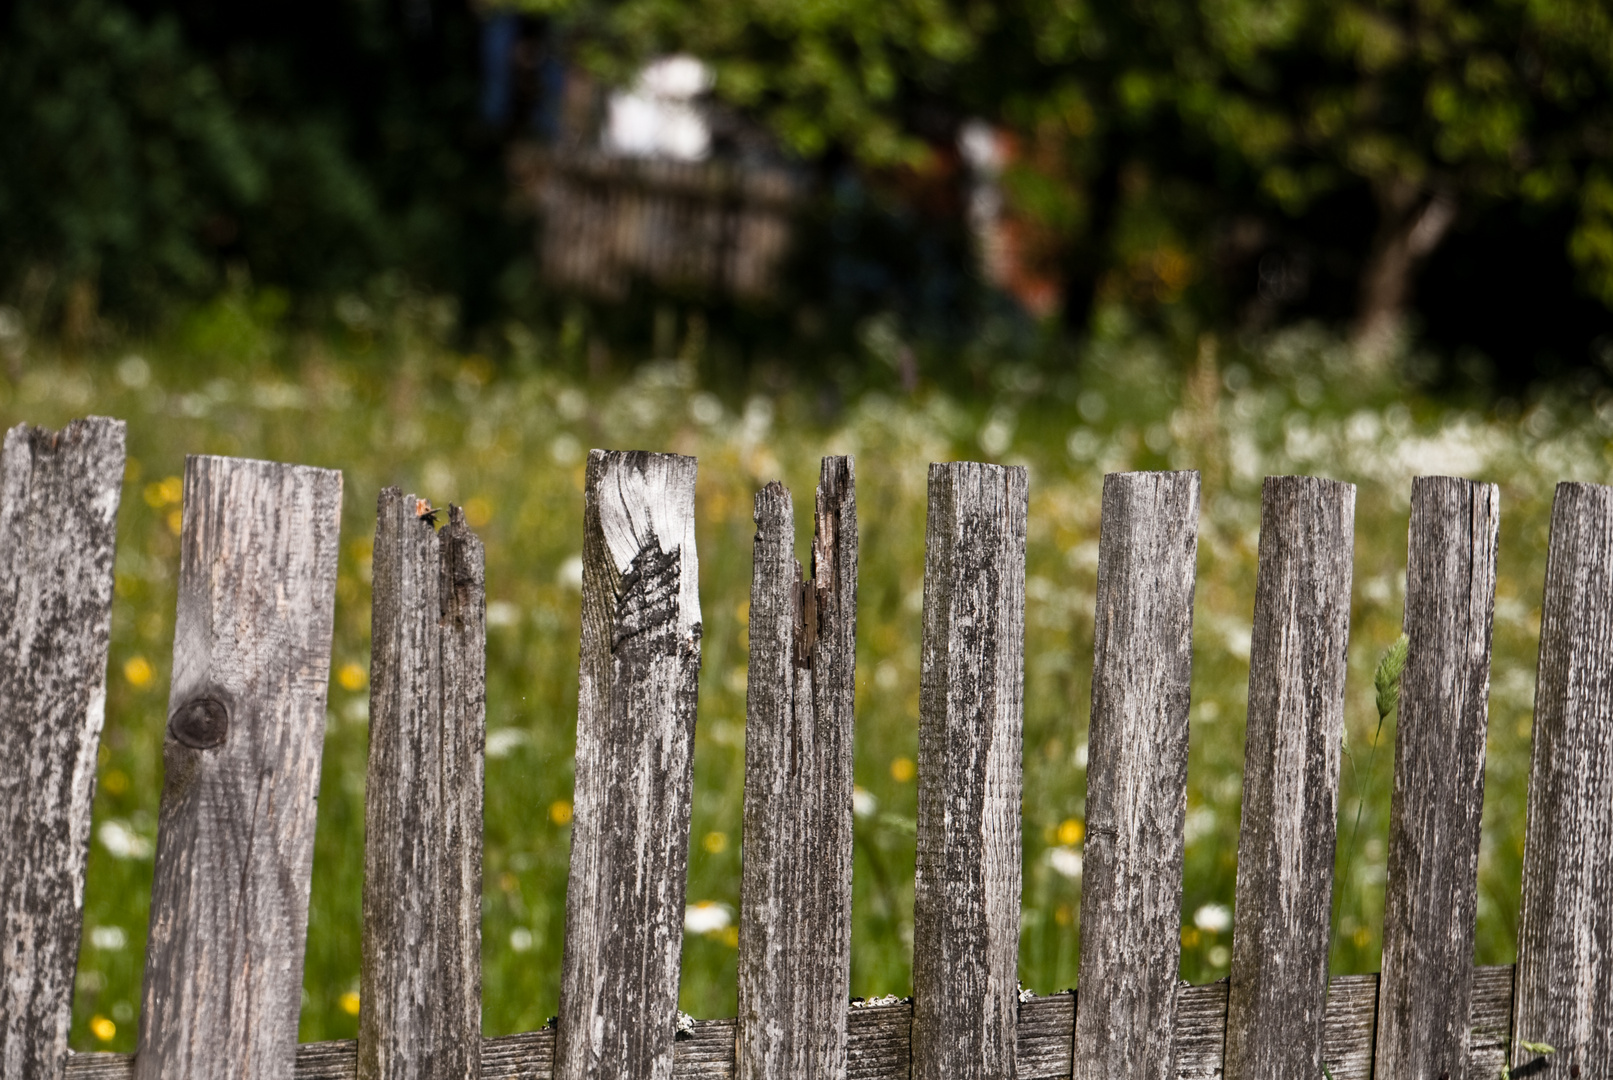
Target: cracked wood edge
{"type": "Point", "coordinates": [794, 970]}
{"type": "Point", "coordinates": [966, 890]}
{"type": "Point", "coordinates": [1287, 832]}
{"type": "Point", "coordinates": [420, 982]}
{"type": "Point", "coordinates": [59, 496]}
{"type": "Point", "coordinates": [1431, 895]}
{"type": "Point", "coordinates": [638, 686]}
{"type": "Point", "coordinates": [1131, 893]}
{"type": "Point", "coordinates": [235, 834]}
{"type": "Point", "coordinates": [1565, 923]}
{"type": "Point", "coordinates": [879, 1037]}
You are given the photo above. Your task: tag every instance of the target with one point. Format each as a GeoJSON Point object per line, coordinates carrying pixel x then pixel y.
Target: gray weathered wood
{"type": "Point", "coordinates": [971, 725]}
{"type": "Point", "coordinates": [635, 747]}
{"type": "Point", "coordinates": [235, 832]}
{"type": "Point", "coordinates": [1043, 1049]}
{"type": "Point", "coordinates": [1565, 925]}
{"type": "Point", "coordinates": [1352, 1016]}
{"type": "Point", "coordinates": [420, 1006]}
{"type": "Point", "coordinates": [58, 516]}
{"type": "Point", "coordinates": [1297, 660]}
{"type": "Point", "coordinates": [1431, 899]}
{"type": "Point", "coordinates": [879, 1037]}
{"type": "Point", "coordinates": [1199, 1042]}
{"type": "Point", "coordinates": [879, 1041]}
{"type": "Point", "coordinates": [795, 913]}
{"type": "Point", "coordinates": [1489, 1021]}
{"type": "Point", "coordinates": [1131, 893]}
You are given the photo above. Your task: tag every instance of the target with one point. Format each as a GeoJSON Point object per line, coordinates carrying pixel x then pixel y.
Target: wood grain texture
{"type": "Point", "coordinates": [1199, 1043]}
{"type": "Point", "coordinates": [58, 531]}
{"type": "Point", "coordinates": [1297, 660]}
{"type": "Point", "coordinates": [420, 1006]}
{"type": "Point", "coordinates": [1565, 924]}
{"type": "Point", "coordinates": [795, 911]}
{"type": "Point", "coordinates": [879, 1037]}
{"type": "Point", "coordinates": [1352, 1017]}
{"type": "Point", "coordinates": [637, 693]}
{"type": "Point", "coordinates": [235, 832]}
{"type": "Point", "coordinates": [966, 887]}
{"type": "Point", "coordinates": [1489, 1021]}
{"type": "Point", "coordinates": [1043, 1046]}
{"type": "Point", "coordinates": [1431, 897]}
{"type": "Point", "coordinates": [1131, 892]}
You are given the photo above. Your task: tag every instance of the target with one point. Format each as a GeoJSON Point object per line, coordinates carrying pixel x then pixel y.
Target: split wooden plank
{"type": "Point", "coordinates": [58, 532]}
{"type": "Point", "coordinates": [246, 722]}
{"type": "Point", "coordinates": [1297, 660]}
{"type": "Point", "coordinates": [1565, 925]}
{"type": "Point", "coordinates": [637, 693]}
{"type": "Point", "coordinates": [795, 913]}
{"type": "Point", "coordinates": [1131, 895]}
{"type": "Point", "coordinates": [879, 1037]}
{"type": "Point", "coordinates": [966, 889]}
{"type": "Point", "coordinates": [420, 1012]}
{"type": "Point", "coordinates": [1431, 898]}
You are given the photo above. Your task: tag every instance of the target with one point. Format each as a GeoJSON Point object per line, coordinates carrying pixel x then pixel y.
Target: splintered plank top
{"type": "Point", "coordinates": [795, 917]}
{"type": "Point", "coordinates": [421, 1009]}
{"type": "Point", "coordinates": [246, 721]}
{"type": "Point", "coordinates": [637, 691]}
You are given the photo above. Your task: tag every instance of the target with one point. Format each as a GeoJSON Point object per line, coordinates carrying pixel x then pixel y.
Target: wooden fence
{"type": "Point", "coordinates": [701, 226]}
{"type": "Point", "coordinates": [256, 596]}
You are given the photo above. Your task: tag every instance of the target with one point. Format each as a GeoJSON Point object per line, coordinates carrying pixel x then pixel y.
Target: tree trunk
{"type": "Point", "coordinates": [1411, 223]}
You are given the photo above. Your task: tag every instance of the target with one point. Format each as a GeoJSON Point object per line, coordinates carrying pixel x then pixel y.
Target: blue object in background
{"type": "Point", "coordinates": [500, 33]}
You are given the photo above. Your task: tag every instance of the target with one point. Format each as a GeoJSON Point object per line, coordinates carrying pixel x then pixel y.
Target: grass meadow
{"type": "Point", "coordinates": [390, 404]}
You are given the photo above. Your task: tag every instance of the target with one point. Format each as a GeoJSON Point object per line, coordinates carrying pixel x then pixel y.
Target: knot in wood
{"type": "Point", "coordinates": [202, 723]}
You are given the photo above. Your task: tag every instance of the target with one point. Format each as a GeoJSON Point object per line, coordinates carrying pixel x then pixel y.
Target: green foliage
{"type": "Point", "coordinates": [152, 149]}
{"type": "Point", "coordinates": [1592, 243]}
{"type": "Point", "coordinates": [1190, 110]}
{"type": "Point", "coordinates": [121, 147]}
{"type": "Point", "coordinates": [824, 73]}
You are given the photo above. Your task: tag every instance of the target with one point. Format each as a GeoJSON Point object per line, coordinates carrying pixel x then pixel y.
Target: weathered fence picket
{"type": "Point", "coordinates": [637, 690]}
{"type": "Point", "coordinates": [420, 988]}
{"type": "Point", "coordinates": [246, 725]}
{"type": "Point", "coordinates": [1431, 897]}
{"type": "Point", "coordinates": [1131, 887]}
{"type": "Point", "coordinates": [1297, 660]}
{"type": "Point", "coordinates": [58, 510]}
{"type": "Point", "coordinates": [971, 721]}
{"type": "Point", "coordinates": [795, 908]}
{"type": "Point", "coordinates": [241, 757]}
{"type": "Point", "coordinates": [1565, 925]}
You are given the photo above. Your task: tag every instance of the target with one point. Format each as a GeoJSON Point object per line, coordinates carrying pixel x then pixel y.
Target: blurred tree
{"type": "Point", "coordinates": [148, 145]}
{"type": "Point", "coordinates": [1141, 125]}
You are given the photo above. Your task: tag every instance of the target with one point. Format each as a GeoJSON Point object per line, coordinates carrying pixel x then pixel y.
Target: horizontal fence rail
{"type": "Point", "coordinates": [244, 738]}
{"type": "Point", "coordinates": [879, 1038]}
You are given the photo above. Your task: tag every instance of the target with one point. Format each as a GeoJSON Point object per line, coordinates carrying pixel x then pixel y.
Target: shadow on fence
{"type": "Point", "coordinates": [223, 968]}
